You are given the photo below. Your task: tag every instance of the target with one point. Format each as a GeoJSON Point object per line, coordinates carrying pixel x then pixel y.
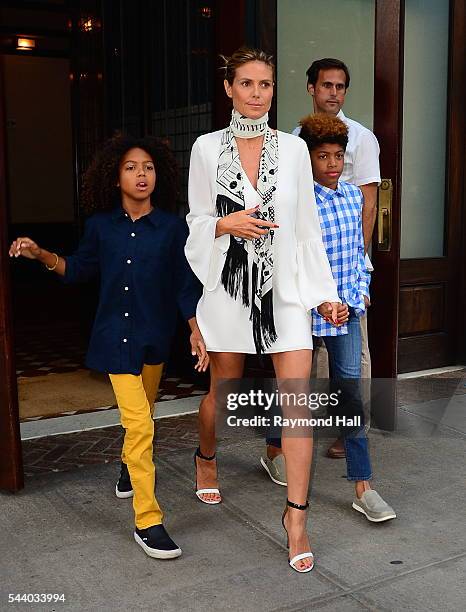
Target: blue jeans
{"type": "Point", "coordinates": [344, 353]}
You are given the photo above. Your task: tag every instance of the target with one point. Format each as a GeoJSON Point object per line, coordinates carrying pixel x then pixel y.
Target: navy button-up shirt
{"type": "Point", "coordinates": [144, 278]}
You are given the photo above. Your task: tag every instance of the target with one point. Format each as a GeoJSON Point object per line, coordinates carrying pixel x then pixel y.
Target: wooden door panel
{"type": "Point", "coordinates": [421, 309]}
{"type": "Point", "coordinates": [423, 352]}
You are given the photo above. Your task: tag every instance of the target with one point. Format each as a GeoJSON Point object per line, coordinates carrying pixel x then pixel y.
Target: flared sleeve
{"type": "Point", "coordinates": [315, 280]}
{"type": "Point", "coordinates": [205, 253]}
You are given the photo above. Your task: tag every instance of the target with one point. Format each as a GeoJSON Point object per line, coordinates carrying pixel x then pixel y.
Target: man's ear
{"type": "Point", "coordinates": [227, 86]}
{"type": "Point", "coordinates": [310, 89]}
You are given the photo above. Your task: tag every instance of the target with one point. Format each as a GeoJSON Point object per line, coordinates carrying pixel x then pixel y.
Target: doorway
{"type": "Point", "coordinates": [405, 64]}
{"type": "Point", "coordinates": [49, 338]}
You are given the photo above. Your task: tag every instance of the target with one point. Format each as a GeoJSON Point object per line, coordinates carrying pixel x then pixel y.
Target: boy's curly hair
{"type": "Point", "coordinates": [320, 128]}
{"type": "Point", "coordinates": [100, 191]}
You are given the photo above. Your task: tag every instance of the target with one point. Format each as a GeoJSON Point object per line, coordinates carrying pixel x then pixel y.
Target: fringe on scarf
{"type": "Point", "coordinates": [225, 206]}
{"type": "Point", "coordinates": [263, 324]}
{"type": "Point", "coordinates": [235, 273]}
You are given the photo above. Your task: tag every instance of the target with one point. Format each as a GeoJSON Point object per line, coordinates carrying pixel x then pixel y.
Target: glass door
{"type": "Point", "coordinates": [367, 36]}
{"type": "Point", "coordinates": [426, 337]}
{"type": "Point", "coordinates": [307, 31]}
{"type": "Point", "coordinates": [356, 32]}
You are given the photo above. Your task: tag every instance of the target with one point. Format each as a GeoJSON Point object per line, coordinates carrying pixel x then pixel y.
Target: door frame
{"type": "Point", "coordinates": [11, 464]}
{"type": "Point", "coordinates": [388, 126]}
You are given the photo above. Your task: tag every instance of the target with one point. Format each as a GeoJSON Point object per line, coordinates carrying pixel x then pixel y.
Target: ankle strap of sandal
{"type": "Point", "coordinates": [201, 456]}
{"type": "Point", "coordinates": [297, 506]}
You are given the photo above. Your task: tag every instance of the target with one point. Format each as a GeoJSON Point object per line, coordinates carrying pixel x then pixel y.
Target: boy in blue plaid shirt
{"type": "Point", "coordinates": [339, 207]}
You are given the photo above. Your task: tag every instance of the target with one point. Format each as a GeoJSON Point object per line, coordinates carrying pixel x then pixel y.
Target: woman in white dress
{"type": "Point", "coordinates": [255, 244]}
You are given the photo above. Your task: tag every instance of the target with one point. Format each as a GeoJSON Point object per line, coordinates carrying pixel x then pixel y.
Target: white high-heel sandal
{"type": "Point", "coordinates": [200, 492]}
{"type": "Point", "coordinates": [304, 555]}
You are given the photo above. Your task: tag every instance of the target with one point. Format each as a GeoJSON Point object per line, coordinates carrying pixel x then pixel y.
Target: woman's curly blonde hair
{"type": "Point", "coordinates": [320, 128]}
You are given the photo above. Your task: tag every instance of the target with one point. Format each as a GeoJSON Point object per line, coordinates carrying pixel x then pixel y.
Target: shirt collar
{"type": "Point", "coordinates": [341, 115]}
{"type": "Point", "coordinates": [153, 217]}
{"type": "Point", "coordinates": [324, 193]}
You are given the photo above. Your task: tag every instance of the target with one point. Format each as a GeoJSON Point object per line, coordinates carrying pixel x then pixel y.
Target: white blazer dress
{"type": "Point", "coordinates": [302, 278]}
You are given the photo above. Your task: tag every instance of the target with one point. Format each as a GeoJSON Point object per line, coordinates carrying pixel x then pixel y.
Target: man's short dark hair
{"type": "Point", "coordinates": [327, 63]}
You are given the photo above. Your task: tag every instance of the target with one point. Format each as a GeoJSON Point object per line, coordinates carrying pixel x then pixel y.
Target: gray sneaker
{"type": "Point", "coordinates": [276, 469]}
{"type": "Point", "coordinates": [374, 507]}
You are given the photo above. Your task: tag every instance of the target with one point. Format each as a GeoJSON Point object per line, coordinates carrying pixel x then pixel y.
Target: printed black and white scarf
{"type": "Point", "coordinates": [230, 198]}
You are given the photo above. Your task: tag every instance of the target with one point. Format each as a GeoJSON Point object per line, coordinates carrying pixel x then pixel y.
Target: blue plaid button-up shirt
{"type": "Point", "coordinates": [340, 216]}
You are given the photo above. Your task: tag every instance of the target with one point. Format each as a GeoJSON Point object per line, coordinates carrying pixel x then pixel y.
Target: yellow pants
{"type": "Point", "coordinates": [135, 397]}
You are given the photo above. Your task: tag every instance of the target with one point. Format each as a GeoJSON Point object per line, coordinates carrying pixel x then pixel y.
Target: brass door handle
{"type": "Point", "coordinates": [384, 215]}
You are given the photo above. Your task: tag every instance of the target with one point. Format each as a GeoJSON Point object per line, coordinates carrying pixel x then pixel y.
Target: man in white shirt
{"type": "Point", "coordinates": [328, 80]}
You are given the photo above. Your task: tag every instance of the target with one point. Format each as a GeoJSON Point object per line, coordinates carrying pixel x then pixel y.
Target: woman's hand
{"type": "Point", "coordinates": [25, 247]}
{"type": "Point", "coordinates": [198, 348]}
{"type": "Point", "coordinates": [334, 312]}
{"type": "Point", "coordinates": [367, 301]}
{"type": "Point", "coordinates": [242, 225]}
{"type": "Point", "coordinates": [342, 314]}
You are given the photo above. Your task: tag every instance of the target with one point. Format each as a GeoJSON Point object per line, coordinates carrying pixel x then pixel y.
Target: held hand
{"type": "Point", "coordinates": [329, 310]}
{"type": "Point", "coordinates": [25, 247]}
{"type": "Point", "coordinates": [242, 225]}
{"type": "Point", "coordinates": [198, 348]}
{"type": "Point", "coordinates": [367, 301]}
{"type": "Point", "coordinates": [342, 313]}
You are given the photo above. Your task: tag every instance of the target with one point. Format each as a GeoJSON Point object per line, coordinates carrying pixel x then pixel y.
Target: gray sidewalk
{"type": "Point", "coordinates": [68, 533]}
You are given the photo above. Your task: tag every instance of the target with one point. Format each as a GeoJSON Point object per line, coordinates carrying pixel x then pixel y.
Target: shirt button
{"type": "Point", "coordinates": [128, 261]}
{"type": "Point", "coordinates": [126, 314]}
{"type": "Point", "coordinates": [126, 288]}
{"type": "Point", "coordinates": [125, 339]}
{"type": "Point", "coordinates": [133, 234]}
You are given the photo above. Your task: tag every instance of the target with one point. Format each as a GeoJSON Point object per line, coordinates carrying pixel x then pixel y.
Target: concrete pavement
{"type": "Point", "coordinates": [68, 533]}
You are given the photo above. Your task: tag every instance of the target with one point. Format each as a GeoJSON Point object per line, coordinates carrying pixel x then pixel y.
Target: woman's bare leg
{"type": "Point", "coordinates": [297, 450]}
{"type": "Point", "coordinates": [222, 366]}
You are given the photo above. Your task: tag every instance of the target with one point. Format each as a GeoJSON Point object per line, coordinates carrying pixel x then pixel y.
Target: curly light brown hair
{"type": "Point", "coordinates": [241, 56]}
{"type": "Point", "coordinates": [99, 189]}
{"type": "Point", "coordinates": [320, 128]}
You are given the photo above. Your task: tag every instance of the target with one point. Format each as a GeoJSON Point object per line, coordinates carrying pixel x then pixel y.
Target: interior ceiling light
{"type": "Point", "coordinates": [206, 12]}
{"type": "Point", "coordinates": [25, 44]}
{"type": "Point", "coordinates": [89, 24]}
